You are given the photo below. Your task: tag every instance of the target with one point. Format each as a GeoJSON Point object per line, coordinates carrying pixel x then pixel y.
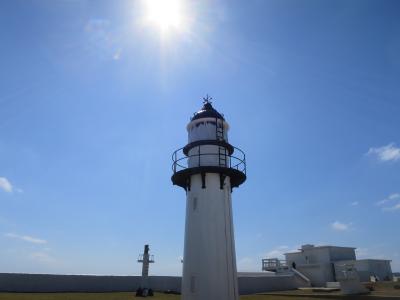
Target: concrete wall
{"type": "Point", "coordinates": [309, 256]}
{"type": "Point", "coordinates": [317, 255]}
{"type": "Point", "coordinates": [318, 274]}
{"type": "Point", "coordinates": [66, 283]}
{"type": "Point", "coordinates": [248, 284]}
{"type": "Point", "coordinates": [372, 267]}
{"type": "Point", "coordinates": [381, 268]}
{"type": "Point", "coordinates": [342, 253]}
{"type": "Point", "coordinates": [296, 257]}
{"type": "Point", "coordinates": [325, 254]}
{"type": "Point", "coordinates": [319, 264]}
{"type": "Point", "coordinates": [259, 284]}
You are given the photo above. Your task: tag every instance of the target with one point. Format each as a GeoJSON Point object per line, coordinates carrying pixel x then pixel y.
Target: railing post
{"type": "Point", "coordinates": [176, 158]}
{"type": "Point", "coordinates": [173, 162]}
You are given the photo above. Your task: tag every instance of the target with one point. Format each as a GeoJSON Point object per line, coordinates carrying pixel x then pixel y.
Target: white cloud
{"type": "Point", "coordinates": [6, 185]}
{"type": "Point", "coordinates": [248, 264]}
{"type": "Point", "coordinates": [392, 208]}
{"type": "Point", "coordinates": [26, 238]}
{"type": "Point", "coordinates": [381, 202]}
{"type": "Point", "coordinates": [362, 253]}
{"type": "Point", "coordinates": [388, 199]}
{"type": "Point", "coordinates": [386, 153]}
{"type": "Point", "coordinates": [355, 203]}
{"type": "Point", "coordinates": [278, 252]}
{"type": "Point", "coordinates": [339, 226]}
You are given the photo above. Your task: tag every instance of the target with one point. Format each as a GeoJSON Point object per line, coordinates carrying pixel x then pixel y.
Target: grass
{"type": "Point", "coordinates": [81, 296]}
{"type": "Point", "coordinates": [383, 291]}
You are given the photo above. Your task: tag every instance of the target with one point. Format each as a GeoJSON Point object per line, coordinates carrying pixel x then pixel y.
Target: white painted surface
{"type": "Point", "coordinates": [145, 271]}
{"type": "Point", "coordinates": [347, 276]}
{"type": "Point", "coordinates": [209, 264]}
{"type": "Point", "coordinates": [307, 281]}
{"type": "Point", "coordinates": [316, 263]}
{"type": "Point", "coordinates": [319, 264]}
{"type": "Point", "coordinates": [204, 129]}
{"type": "Point", "coordinates": [376, 268]}
{"type": "Point", "coordinates": [333, 285]}
{"type": "Point", "coordinates": [204, 155]}
{"type": "Point", "coordinates": [320, 254]}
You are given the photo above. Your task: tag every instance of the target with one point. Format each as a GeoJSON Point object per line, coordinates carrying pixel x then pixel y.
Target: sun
{"type": "Point", "coordinates": [165, 14]}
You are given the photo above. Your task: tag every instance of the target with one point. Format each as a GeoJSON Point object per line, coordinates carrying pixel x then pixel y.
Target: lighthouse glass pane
{"type": "Point", "coordinates": [204, 155]}
{"type": "Point", "coordinates": [204, 130]}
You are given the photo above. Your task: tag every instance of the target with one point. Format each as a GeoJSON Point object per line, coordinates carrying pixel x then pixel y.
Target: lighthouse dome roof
{"type": "Point", "coordinates": [207, 111]}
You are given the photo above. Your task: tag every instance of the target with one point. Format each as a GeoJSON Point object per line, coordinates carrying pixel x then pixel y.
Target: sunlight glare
{"type": "Point", "coordinates": [166, 14]}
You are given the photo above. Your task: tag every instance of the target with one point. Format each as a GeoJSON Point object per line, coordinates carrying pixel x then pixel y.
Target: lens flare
{"type": "Point", "coordinates": [165, 14]}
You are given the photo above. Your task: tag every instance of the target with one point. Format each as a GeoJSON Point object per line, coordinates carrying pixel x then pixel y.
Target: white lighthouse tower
{"type": "Point", "coordinates": [208, 168]}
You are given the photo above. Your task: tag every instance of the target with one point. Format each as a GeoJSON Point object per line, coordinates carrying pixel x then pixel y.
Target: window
{"type": "Point", "coordinates": [194, 203]}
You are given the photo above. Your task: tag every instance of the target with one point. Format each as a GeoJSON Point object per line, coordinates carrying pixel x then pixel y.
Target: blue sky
{"type": "Point", "coordinates": [94, 99]}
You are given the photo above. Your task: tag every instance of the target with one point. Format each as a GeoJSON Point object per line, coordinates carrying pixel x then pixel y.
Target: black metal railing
{"type": "Point", "coordinates": [236, 160]}
{"type": "Point", "coordinates": [273, 263]}
{"type": "Point", "coordinates": [141, 258]}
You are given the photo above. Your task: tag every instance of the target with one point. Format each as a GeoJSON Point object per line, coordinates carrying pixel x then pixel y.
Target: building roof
{"type": "Point", "coordinates": [207, 111]}
{"type": "Point", "coordinates": [308, 247]}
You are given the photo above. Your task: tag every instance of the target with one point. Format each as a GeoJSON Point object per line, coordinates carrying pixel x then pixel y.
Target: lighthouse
{"type": "Point", "coordinates": [208, 168]}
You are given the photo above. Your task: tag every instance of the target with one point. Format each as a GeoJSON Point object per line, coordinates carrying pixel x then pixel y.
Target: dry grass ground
{"type": "Point", "coordinates": [383, 291]}
{"type": "Point", "coordinates": [81, 296]}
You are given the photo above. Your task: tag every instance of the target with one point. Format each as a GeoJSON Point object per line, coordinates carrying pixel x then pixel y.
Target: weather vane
{"type": "Point", "coordinates": [207, 99]}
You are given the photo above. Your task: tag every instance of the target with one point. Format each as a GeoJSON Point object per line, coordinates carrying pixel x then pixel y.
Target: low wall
{"type": "Point", "coordinates": [66, 283]}
{"type": "Point", "coordinates": [10, 282]}
{"type": "Point", "coordinates": [259, 284]}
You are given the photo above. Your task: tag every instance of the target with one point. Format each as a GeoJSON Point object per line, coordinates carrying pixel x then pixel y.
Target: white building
{"type": "Point", "coordinates": [374, 267]}
{"type": "Point", "coordinates": [320, 264]}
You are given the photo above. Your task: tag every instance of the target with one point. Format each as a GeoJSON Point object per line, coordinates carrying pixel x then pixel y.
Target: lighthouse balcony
{"type": "Point", "coordinates": [201, 159]}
